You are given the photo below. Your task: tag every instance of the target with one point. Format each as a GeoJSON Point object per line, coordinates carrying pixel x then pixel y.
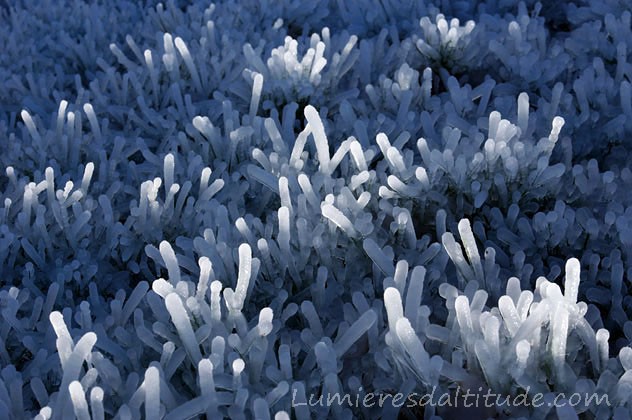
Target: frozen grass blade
{"type": "Point", "coordinates": [320, 138]}
{"type": "Point", "coordinates": [354, 332]}
{"type": "Point", "coordinates": [181, 321]}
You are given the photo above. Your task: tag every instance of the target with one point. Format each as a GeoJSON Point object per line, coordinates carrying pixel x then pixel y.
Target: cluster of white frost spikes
{"type": "Point", "coordinates": [285, 209]}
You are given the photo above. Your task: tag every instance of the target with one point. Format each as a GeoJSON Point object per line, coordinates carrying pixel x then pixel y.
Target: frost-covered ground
{"type": "Point", "coordinates": [235, 209]}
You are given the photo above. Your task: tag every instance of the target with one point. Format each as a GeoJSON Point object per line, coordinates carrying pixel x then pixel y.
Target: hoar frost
{"type": "Point", "coordinates": [232, 209]}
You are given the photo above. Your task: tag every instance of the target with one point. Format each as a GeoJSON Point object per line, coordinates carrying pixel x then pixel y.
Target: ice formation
{"type": "Point", "coordinates": [237, 209]}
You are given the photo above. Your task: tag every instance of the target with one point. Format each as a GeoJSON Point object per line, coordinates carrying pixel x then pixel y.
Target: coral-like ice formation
{"type": "Point", "coordinates": [244, 209]}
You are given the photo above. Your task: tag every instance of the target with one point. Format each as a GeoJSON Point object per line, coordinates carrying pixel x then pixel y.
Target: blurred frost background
{"type": "Point", "coordinates": [222, 209]}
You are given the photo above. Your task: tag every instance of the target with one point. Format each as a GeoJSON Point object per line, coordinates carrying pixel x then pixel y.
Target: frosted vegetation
{"type": "Point", "coordinates": [224, 209]}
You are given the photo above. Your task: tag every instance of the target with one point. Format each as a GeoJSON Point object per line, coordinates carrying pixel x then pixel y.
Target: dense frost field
{"type": "Point", "coordinates": [233, 209]}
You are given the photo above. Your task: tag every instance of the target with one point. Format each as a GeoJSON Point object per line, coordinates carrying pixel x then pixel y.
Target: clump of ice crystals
{"type": "Point", "coordinates": [237, 209]}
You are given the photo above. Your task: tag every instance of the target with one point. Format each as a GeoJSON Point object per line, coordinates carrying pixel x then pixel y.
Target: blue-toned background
{"type": "Point", "coordinates": [242, 209]}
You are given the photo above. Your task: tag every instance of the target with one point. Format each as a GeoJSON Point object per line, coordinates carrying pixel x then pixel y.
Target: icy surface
{"type": "Point", "coordinates": [232, 209]}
